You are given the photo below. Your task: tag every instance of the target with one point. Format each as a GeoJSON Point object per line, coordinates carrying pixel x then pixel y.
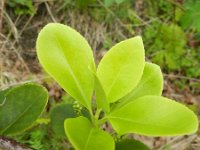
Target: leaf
{"type": "Point", "coordinates": [85, 3]}
{"type": "Point", "coordinates": [173, 62]}
{"type": "Point", "coordinates": [174, 38]}
{"type": "Point", "coordinates": [151, 83]}
{"type": "Point", "coordinates": [101, 99]}
{"type": "Point", "coordinates": [119, 1]}
{"type": "Point", "coordinates": [131, 144]}
{"type": "Point", "coordinates": [189, 18]}
{"type": "Point", "coordinates": [154, 116]}
{"type": "Point", "coordinates": [23, 105]}
{"type": "Point", "coordinates": [160, 58]}
{"type": "Point", "coordinates": [22, 7]}
{"type": "Point", "coordinates": [2, 96]}
{"type": "Point", "coordinates": [67, 57]}
{"type": "Point", "coordinates": [109, 2]}
{"type": "Point", "coordinates": [173, 44]}
{"type": "Point", "coordinates": [84, 137]}
{"type": "Point", "coordinates": [58, 115]}
{"type": "Point", "coordinates": [121, 68]}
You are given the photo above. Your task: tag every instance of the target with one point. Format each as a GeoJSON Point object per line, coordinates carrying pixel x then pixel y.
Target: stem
{"type": "Point", "coordinates": [98, 113]}
{"type": "Point", "coordinates": [92, 117]}
{"type": "Point", "coordinates": [10, 144]}
{"type": "Point", "coordinates": [102, 121]}
{"type": "Point", "coordinates": [97, 117]}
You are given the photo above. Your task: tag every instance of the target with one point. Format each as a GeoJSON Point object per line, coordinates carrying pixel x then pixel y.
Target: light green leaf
{"type": "Point", "coordinates": [131, 144]}
{"type": "Point", "coordinates": [154, 116]}
{"type": "Point", "coordinates": [58, 115]}
{"type": "Point", "coordinates": [84, 137]}
{"type": "Point", "coordinates": [67, 57]}
{"type": "Point", "coordinates": [22, 106]}
{"type": "Point", "coordinates": [151, 83]}
{"type": "Point", "coordinates": [101, 99]}
{"type": "Point", "coordinates": [121, 68]}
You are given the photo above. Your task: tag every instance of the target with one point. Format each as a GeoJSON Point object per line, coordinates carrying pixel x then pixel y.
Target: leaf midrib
{"type": "Point", "coordinates": [114, 81]}
{"type": "Point", "coordinates": [72, 74]}
{"type": "Point", "coordinates": [20, 115]}
{"type": "Point", "coordinates": [88, 139]}
{"type": "Point", "coordinates": [127, 99]}
{"type": "Point", "coordinates": [140, 123]}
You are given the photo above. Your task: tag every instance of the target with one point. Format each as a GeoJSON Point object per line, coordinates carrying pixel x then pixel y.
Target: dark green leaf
{"type": "Point", "coordinates": [130, 144]}
{"type": "Point", "coordinates": [58, 115]}
{"type": "Point", "coordinates": [22, 106]}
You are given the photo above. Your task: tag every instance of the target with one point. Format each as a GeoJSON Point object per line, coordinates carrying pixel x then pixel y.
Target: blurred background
{"type": "Point", "coordinates": [171, 34]}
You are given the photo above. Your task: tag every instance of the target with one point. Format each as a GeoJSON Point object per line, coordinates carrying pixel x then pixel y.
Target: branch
{"type": "Point", "coordinates": [8, 144]}
{"type": "Point", "coordinates": [2, 3]}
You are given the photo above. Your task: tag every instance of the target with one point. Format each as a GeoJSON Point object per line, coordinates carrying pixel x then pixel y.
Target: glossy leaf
{"type": "Point", "coordinates": [154, 116]}
{"type": "Point", "coordinates": [84, 137]}
{"type": "Point", "coordinates": [151, 83]}
{"type": "Point", "coordinates": [58, 115]}
{"type": "Point", "coordinates": [131, 144]}
{"type": "Point", "coordinates": [121, 68]}
{"type": "Point", "coordinates": [67, 57]}
{"type": "Point", "coordinates": [22, 106]}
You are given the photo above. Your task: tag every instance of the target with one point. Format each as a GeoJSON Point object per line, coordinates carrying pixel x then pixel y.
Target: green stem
{"type": "Point", "coordinates": [98, 113]}
{"type": "Point", "coordinates": [92, 117]}
{"type": "Point", "coordinates": [102, 121]}
{"type": "Point", "coordinates": [97, 117]}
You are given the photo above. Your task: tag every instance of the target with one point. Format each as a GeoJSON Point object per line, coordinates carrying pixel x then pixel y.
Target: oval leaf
{"type": "Point", "coordinates": [151, 83]}
{"type": "Point", "coordinates": [22, 106]}
{"type": "Point", "coordinates": [121, 68]}
{"type": "Point", "coordinates": [154, 116]}
{"type": "Point", "coordinates": [131, 144]}
{"type": "Point", "coordinates": [84, 137]}
{"type": "Point", "coordinates": [58, 115]}
{"type": "Point", "coordinates": [67, 57]}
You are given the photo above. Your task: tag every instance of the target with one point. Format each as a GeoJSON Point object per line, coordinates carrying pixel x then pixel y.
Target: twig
{"type": "Point", "coordinates": [8, 144]}
{"type": "Point", "coordinates": [181, 77]}
{"type": "Point", "coordinates": [12, 25]}
{"type": "Point", "coordinates": [16, 35]}
{"type": "Point", "coordinates": [112, 13]}
{"type": "Point", "coordinates": [179, 142]}
{"type": "Point", "coordinates": [2, 4]}
{"type": "Point", "coordinates": [49, 11]}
